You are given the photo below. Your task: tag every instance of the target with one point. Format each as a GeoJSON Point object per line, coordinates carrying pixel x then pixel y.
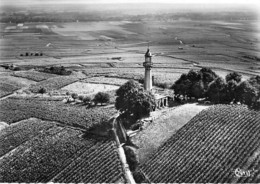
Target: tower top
{"type": "Point", "coordinates": [148, 53]}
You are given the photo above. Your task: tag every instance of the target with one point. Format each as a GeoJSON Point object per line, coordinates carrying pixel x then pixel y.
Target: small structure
{"type": "Point", "coordinates": [160, 101]}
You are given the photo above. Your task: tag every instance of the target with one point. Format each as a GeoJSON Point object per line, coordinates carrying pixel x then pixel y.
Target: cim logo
{"type": "Point", "coordinates": [244, 173]}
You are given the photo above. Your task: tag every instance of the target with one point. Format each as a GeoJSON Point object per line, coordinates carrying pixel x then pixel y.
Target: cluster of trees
{"type": "Point", "coordinates": [207, 84]}
{"type": "Point", "coordinates": [100, 97]}
{"type": "Point", "coordinates": [31, 54]}
{"type": "Point", "coordinates": [59, 70]}
{"type": "Point", "coordinates": [133, 101]}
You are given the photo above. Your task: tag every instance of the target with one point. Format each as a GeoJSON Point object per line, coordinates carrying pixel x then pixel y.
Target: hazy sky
{"type": "Point", "coordinates": [129, 1]}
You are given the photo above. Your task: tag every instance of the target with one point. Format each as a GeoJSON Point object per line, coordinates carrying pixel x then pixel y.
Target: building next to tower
{"type": "Point", "coordinates": [160, 100]}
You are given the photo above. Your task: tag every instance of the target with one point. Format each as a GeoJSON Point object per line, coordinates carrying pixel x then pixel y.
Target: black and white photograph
{"type": "Point", "coordinates": [129, 91]}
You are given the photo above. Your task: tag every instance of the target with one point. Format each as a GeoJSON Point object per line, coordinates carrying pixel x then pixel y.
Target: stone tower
{"type": "Point", "coordinates": [148, 74]}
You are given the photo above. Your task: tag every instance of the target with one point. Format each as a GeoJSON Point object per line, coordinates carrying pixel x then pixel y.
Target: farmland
{"type": "Point", "coordinates": [48, 133]}
{"type": "Point", "coordinates": [64, 154]}
{"type": "Point", "coordinates": [209, 148]}
{"type": "Point", "coordinates": [16, 109]}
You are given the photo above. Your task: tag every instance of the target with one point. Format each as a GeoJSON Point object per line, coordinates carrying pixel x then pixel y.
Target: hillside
{"type": "Point", "coordinates": [211, 147]}
{"type": "Point", "coordinates": [40, 151]}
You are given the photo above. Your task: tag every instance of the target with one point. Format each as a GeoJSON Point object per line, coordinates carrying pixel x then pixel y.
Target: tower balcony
{"type": "Point", "coordinates": [148, 64]}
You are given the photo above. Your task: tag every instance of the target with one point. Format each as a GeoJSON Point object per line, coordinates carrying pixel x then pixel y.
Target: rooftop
{"type": "Point", "coordinates": [148, 53]}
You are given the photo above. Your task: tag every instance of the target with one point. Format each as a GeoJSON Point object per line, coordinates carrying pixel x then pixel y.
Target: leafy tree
{"type": "Point", "coordinates": [182, 86]}
{"type": "Point", "coordinates": [234, 76]}
{"type": "Point", "coordinates": [255, 82]}
{"type": "Point", "coordinates": [194, 84]}
{"type": "Point", "coordinates": [193, 76]}
{"type": "Point", "coordinates": [101, 97]}
{"type": "Point", "coordinates": [131, 158]}
{"type": "Point", "coordinates": [74, 95]}
{"type": "Point", "coordinates": [207, 76]}
{"type": "Point", "coordinates": [86, 99]}
{"type": "Point", "coordinates": [247, 93]}
{"type": "Point", "coordinates": [216, 90]}
{"type": "Point", "coordinates": [197, 89]}
{"type": "Point", "coordinates": [231, 93]}
{"type": "Point", "coordinates": [42, 90]}
{"type": "Point", "coordinates": [81, 97]}
{"type": "Point", "coordinates": [133, 101]}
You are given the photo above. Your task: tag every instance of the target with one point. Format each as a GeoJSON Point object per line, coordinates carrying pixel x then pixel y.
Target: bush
{"type": "Point", "coordinates": [74, 95]}
{"type": "Point", "coordinates": [17, 68]}
{"type": "Point", "coordinates": [86, 99]}
{"type": "Point", "coordinates": [81, 97]}
{"type": "Point", "coordinates": [131, 158]}
{"type": "Point", "coordinates": [101, 97]}
{"type": "Point", "coordinates": [42, 90]}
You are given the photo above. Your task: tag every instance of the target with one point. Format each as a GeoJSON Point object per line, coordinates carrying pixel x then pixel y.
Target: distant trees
{"type": "Point", "coordinates": [132, 101]}
{"type": "Point", "coordinates": [206, 84]}
{"type": "Point", "coordinates": [194, 84]}
{"type": "Point", "coordinates": [59, 70]}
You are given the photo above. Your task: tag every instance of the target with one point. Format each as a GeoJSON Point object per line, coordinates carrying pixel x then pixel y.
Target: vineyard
{"type": "Point", "coordinates": [54, 83]}
{"type": "Point", "coordinates": [106, 80]}
{"type": "Point", "coordinates": [16, 109]}
{"type": "Point", "coordinates": [34, 75]}
{"type": "Point", "coordinates": [20, 132]}
{"type": "Point", "coordinates": [9, 84]}
{"type": "Point", "coordinates": [209, 148]}
{"type": "Point", "coordinates": [58, 154]}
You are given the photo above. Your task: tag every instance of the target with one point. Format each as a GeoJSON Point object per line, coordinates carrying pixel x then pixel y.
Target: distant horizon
{"type": "Point", "coordinates": [230, 2]}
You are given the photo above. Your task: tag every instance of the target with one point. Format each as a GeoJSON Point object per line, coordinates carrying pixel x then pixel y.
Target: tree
{"type": "Point", "coordinates": [234, 76]}
{"type": "Point", "coordinates": [231, 87]}
{"type": "Point", "coordinates": [207, 76]}
{"type": "Point", "coordinates": [131, 158]}
{"type": "Point", "coordinates": [101, 97]}
{"type": "Point", "coordinates": [197, 90]}
{"type": "Point", "coordinates": [247, 93]}
{"type": "Point", "coordinates": [194, 84]}
{"type": "Point", "coordinates": [182, 86]}
{"type": "Point", "coordinates": [86, 99]}
{"type": "Point", "coordinates": [132, 101]}
{"type": "Point", "coordinates": [74, 96]}
{"type": "Point", "coordinates": [216, 90]}
{"type": "Point", "coordinates": [42, 90]}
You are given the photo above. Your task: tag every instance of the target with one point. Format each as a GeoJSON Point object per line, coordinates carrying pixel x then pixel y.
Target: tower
{"type": "Point", "coordinates": [148, 75]}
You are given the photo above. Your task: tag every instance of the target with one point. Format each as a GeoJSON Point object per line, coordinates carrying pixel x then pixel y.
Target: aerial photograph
{"type": "Point", "coordinates": [129, 91]}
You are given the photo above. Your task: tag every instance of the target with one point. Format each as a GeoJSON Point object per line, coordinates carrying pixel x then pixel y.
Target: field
{"type": "Point", "coordinates": [83, 88]}
{"type": "Point", "coordinates": [44, 139]}
{"type": "Point", "coordinates": [209, 148]}
{"type": "Point", "coordinates": [120, 46]}
{"type": "Point", "coordinates": [16, 109]}
{"type": "Point", "coordinates": [9, 84]}
{"type": "Point", "coordinates": [34, 75]}
{"type": "Point", "coordinates": [47, 152]}
{"type": "Point", "coordinates": [165, 124]}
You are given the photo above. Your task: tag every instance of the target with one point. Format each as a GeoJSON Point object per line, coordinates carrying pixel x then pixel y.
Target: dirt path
{"type": "Point", "coordinates": [163, 127]}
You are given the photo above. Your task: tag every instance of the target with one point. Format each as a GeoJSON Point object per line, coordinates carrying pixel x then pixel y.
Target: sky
{"type": "Point", "coordinates": [130, 1]}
